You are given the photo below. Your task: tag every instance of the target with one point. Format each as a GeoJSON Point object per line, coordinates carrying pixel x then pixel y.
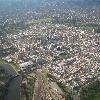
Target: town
{"type": "Point", "coordinates": [59, 46]}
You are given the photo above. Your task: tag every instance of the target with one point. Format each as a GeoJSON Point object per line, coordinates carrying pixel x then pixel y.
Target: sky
{"type": "Point", "coordinates": [37, 2]}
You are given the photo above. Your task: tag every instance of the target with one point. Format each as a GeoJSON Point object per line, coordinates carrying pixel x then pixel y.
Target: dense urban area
{"type": "Point", "coordinates": [49, 50]}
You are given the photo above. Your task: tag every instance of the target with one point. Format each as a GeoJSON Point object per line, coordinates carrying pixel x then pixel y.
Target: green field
{"type": "Point", "coordinates": [91, 92]}
{"type": "Point", "coordinates": [43, 20]}
{"type": "Point", "coordinates": [97, 97]}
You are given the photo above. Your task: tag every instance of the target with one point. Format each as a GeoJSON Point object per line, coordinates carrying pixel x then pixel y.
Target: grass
{"type": "Point", "coordinates": [97, 97]}
{"type": "Point", "coordinates": [43, 20]}
{"type": "Point", "coordinates": [91, 92]}
{"type": "Point", "coordinates": [2, 61]}
{"type": "Point", "coordinates": [28, 89]}
{"type": "Point", "coordinates": [15, 67]}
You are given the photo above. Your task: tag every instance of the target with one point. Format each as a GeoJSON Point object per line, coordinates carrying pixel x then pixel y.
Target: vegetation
{"type": "Point", "coordinates": [77, 23]}
{"type": "Point", "coordinates": [97, 30]}
{"type": "Point", "coordinates": [62, 56]}
{"type": "Point", "coordinates": [90, 26]}
{"type": "Point", "coordinates": [30, 87]}
{"type": "Point", "coordinates": [44, 20]}
{"type": "Point", "coordinates": [66, 90]}
{"type": "Point", "coordinates": [12, 64]}
{"type": "Point", "coordinates": [6, 52]}
{"type": "Point", "coordinates": [2, 61]}
{"type": "Point", "coordinates": [3, 80]}
{"type": "Point", "coordinates": [2, 91]}
{"type": "Point", "coordinates": [15, 66]}
{"type": "Point", "coordinates": [3, 76]}
{"type": "Point", "coordinates": [91, 91]}
{"type": "Point", "coordinates": [27, 87]}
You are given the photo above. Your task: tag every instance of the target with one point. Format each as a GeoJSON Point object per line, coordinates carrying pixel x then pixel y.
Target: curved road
{"type": "Point", "coordinates": [14, 89]}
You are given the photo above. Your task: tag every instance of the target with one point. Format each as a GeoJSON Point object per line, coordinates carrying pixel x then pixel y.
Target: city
{"type": "Point", "coordinates": [50, 52]}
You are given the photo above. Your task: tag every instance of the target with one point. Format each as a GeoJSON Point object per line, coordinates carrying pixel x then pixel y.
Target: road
{"type": "Point", "coordinates": [39, 89]}
{"type": "Point", "coordinates": [42, 89]}
{"type": "Point", "coordinates": [14, 89]}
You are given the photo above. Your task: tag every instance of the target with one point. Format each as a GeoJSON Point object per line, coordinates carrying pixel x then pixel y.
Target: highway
{"type": "Point", "coordinates": [13, 89]}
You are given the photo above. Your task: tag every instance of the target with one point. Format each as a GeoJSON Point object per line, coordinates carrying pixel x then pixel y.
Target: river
{"type": "Point", "coordinates": [14, 89]}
